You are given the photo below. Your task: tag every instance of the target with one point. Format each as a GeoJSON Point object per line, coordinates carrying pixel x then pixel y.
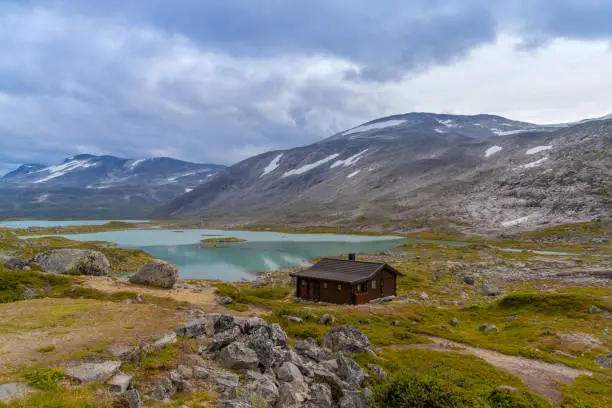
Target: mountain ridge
{"type": "Point", "coordinates": [427, 166]}
{"type": "Point", "coordinates": [87, 185]}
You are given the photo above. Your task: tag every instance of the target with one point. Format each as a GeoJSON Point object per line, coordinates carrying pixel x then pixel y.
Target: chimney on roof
{"type": "Point", "coordinates": [352, 257]}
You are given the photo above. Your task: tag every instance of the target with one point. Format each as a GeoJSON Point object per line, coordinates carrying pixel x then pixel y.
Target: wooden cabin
{"type": "Point", "coordinates": [346, 281]}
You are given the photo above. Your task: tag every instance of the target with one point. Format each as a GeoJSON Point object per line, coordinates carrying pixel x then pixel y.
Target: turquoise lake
{"type": "Point", "coordinates": [262, 251]}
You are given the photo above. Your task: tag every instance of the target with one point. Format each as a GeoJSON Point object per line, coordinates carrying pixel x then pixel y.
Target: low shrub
{"type": "Point", "coordinates": [408, 390]}
{"type": "Point", "coordinates": [45, 379]}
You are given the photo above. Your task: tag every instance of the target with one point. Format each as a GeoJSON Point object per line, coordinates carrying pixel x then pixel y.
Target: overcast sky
{"type": "Point", "coordinates": [221, 80]}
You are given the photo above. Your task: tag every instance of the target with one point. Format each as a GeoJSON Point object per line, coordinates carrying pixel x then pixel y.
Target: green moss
{"type": "Point", "coordinates": [46, 379]}
{"type": "Point", "coordinates": [246, 294]}
{"type": "Point", "coordinates": [45, 349]}
{"type": "Point", "coordinates": [14, 283]}
{"type": "Point", "coordinates": [444, 379]}
{"type": "Point", "coordinates": [551, 304]}
{"type": "Point", "coordinates": [588, 392]}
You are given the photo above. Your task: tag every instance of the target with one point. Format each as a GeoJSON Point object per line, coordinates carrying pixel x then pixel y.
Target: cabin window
{"type": "Point", "coordinates": [339, 286]}
{"type": "Point", "coordinates": [374, 284]}
{"type": "Point", "coordinates": [304, 283]}
{"type": "Point", "coordinates": [359, 287]}
{"type": "Point", "coordinates": [324, 285]}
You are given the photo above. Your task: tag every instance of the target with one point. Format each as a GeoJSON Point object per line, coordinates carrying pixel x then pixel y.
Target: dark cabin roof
{"type": "Point", "coordinates": [343, 270]}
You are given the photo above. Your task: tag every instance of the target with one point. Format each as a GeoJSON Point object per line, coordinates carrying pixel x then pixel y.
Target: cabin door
{"type": "Point", "coordinates": [315, 290]}
{"type": "Point", "coordinates": [303, 288]}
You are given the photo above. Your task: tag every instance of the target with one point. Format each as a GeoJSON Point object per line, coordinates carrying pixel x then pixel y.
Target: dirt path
{"type": "Point", "coordinates": [541, 377]}
{"type": "Point", "coordinates": [200, 296]}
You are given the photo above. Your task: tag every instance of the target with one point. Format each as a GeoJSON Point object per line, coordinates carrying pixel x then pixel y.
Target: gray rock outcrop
{"type": "Point", "coordinates": [489, 289]}
{"type": "Point", "coordinates": [347, 339]}
{"type": "Point", "coordinates": [77, 261]}
{"type": "Point", "coordinates": [92, 371]}
{"type": "Point", "coordinates": [156, 273]}
{"type": "Point", "coordinates": [276, 373]}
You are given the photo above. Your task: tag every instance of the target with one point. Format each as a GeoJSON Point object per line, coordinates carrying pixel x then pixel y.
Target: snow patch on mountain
{"type": "Point", "coordinates": [353, 174]}
{"type": "Point", "coordinates": [449, 123]}
{"type": "Point", "coordinates": [350, 161]}
{"type": "Point", "coordinates": [135, 163]}
{"type": "Point", "coordinates": [62, 169]}
{"type": "Point", "coordinates": [492, 150]}
{"type": "Point", "coordinates": [373, 126]}
{"type": "Point", "coordinates": [308, 167]}
{"type": "Point", "coordinates": [538, 149]}
{"type": "Point", "coordinates": [188, 190]}
{"type": "Point", "coordinates": [514, 222]}
{"type": "Point", "coordinates": [438, 130]}
{"type": "Point", "coordinates": [534, 163]}
{"type": "Point", "coordinates": [508, 132]}
{"type": "Point", "coordinates": [272, 166]}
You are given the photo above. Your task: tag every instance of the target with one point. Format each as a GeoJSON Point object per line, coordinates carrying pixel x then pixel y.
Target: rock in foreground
{"type": "Point", "coordinates": [77, 261]}
{"type": "Point", "coordinates": [347, 339]}
{"type": "Point", "coordinates": [156, 273]}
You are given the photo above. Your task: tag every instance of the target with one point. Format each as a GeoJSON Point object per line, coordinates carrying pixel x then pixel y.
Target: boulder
{"type": "Point", "coordinates": [185, 371]}
{"type": "Point", "coordinates": [604, 361]}
{"type": "Point", "coordinates": [308, 348]}
{"type": "Point", "coordinates": [164, 340]}
{"type": "Point", "coordinates": [80, 261]}
{"type": "Point", "coordinates": [92, 371]}
{"type": "Point", "coordinates": [327, 319]}
{"type": "Point", "coordinates": [377, 370]}
{"type": "Point", "coordinates": [489, 289]}
{"type": "Point", "coordinates": [156, 273]}
{"type": "Point", "coordinates": [239, 356]}
{"type": "Point", "coordinates": [13, 390]}
{"type": "Point", "coordinates": [223, 300]}
{"type": "Point", "coordinates": [119, 383]}
{"type": "Point", "coordinates": [322, 376]}
{"type": "Point", "coordinates": [132, 398]}
{"type": "Point", "coordinates": [347, 339]}
{"type": "Point", "coordinates": [294, 319]}
{"type": "Point", "coordinates": [292, 394]}
{"type": "Point", "coordinates": [200, 373]}
{"type": "Point", "coordinates": [13, 263]}
{"type": "Point", "coordinates": [321, 396]}
{"type": "Point", "coordinates": [266, 388]}
{"type": "Point", "coordinates": [278, 336]}
{"type": "Point", "coordinates": [595, 309]}
{"type": "Point", "coordinates": [350, 372]}
{"type": "Point", "coordinates": [268, 354]}
{"type": "Point", "coordinates": [289, 372]}
{"type": "Point", "coordinates": [454, 322]}
{"type": "Point", "coordinates": [223, 339]}
{"type": "Point", "coordinates": [226, 381]}
{"type": "Point", "coordinates": [164, 389]}
{"type": "Point", "coordinates": [469, 279]}
{"type": "Point", "coordinates": [223, 323]}
{"type": "Point", "coordinates": [354, 399]}
{"type": "Point", "coordinates": [193, 329]}
{"type": "Point", "coordinates": [424, 296]}
{"type": "Point", "coordinates": [248, 324]}
{"type": "Point", "coordinates": [485, 328]}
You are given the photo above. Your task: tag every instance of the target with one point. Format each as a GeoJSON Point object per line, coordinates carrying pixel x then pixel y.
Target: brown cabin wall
{"type": "Point", "coordinates": [331, 294]}
{"type": "Point", "coordinates": [388, 283]}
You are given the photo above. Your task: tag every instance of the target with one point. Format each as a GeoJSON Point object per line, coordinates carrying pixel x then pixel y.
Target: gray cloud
{"type": "Point", "coordinates": [217, 81]}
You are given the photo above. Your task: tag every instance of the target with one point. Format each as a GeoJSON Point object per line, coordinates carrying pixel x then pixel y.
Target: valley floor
{"type": "Point", "coordinates": [552, 317]}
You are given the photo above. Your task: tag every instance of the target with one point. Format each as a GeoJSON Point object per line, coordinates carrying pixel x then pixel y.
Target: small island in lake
{"type": "Point", "coordinates": [217, 242]}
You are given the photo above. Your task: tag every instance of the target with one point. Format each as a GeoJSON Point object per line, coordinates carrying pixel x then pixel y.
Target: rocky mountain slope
{"type": "Point", "coordinates": [422, 168]}
{"type": "Point", "coordinates": [98, 186]}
